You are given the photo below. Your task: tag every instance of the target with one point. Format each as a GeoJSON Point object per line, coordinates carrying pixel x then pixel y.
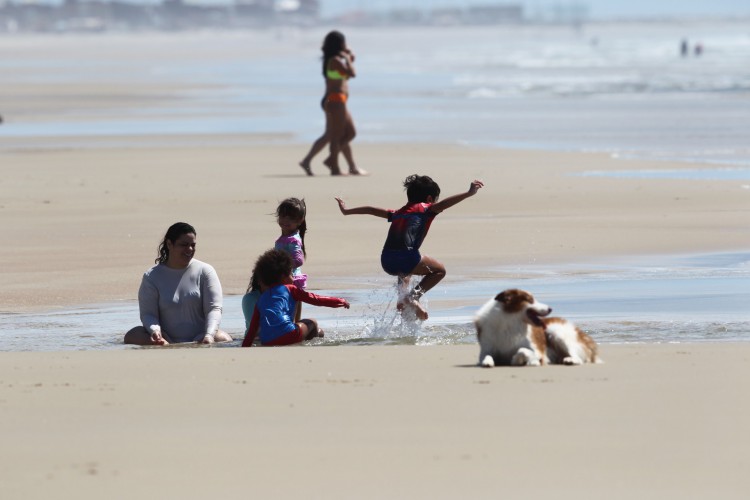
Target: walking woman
{"type": "Point", "coordinates": [338, 68]}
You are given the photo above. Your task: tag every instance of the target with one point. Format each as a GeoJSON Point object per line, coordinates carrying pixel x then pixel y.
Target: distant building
{"type": "Point", "coordinates": [494, 14]}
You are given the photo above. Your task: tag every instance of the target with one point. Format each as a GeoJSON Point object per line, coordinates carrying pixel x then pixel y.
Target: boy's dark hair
{"type": "Point", "coordinates": [273, 266]}
{"type": "Point", "coordinates": [419, 187]}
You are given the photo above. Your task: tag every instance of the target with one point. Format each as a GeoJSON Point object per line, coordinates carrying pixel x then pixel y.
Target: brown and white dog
{"type": "Point", "coordinates": [513, 329]}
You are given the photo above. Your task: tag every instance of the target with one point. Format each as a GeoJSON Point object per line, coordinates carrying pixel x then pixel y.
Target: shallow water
{"type": "Point", "coordinates": [678, 299]}
{"type": "Point", "coordinates": [696, 174]}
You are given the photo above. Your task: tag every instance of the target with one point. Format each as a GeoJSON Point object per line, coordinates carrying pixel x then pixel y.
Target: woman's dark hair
{"type": "Point", "coordinates": [173, 234]}
{"type": "Point", "coordinates": [294, 208]}
{"type": "Point", "coordinates": [419, 187]}
{"type": "Point", "coordinates": [333, 44]}
{"type": "Point", "coordinates": [271, 267]}
{"type": "Point", "coordinates": [254, 283]}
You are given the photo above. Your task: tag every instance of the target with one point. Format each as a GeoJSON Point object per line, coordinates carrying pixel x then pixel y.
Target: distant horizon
{"type": "Point", "coordinates": [596, 9]}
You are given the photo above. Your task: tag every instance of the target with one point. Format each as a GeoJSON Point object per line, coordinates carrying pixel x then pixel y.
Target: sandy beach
{"type": "Point", "coordinates": [82, 218]}
{"type": "Point", "coordinates": [654, 422]}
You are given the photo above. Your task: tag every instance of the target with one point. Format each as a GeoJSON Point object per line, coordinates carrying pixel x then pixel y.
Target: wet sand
{"type": "Point", "coordinates": [82, 224]}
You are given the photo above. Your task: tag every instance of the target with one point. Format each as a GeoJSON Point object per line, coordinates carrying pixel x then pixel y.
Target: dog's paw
{"type": "Point", "coordinates": [525, 357]}
{"type": "Point", "coordinates": [487, 362]}
{"type": "Point", "coordinates": [572, 361]}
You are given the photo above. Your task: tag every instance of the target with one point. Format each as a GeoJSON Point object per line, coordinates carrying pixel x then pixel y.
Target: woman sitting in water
{"type": "Point", "coordinates": [180, 297]}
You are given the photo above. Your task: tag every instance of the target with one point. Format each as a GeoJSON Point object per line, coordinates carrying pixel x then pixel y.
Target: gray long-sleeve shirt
{"type": "Point", "coordinates": [184, 303]}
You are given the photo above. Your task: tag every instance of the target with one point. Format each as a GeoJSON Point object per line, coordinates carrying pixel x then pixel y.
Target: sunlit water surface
{"type": "Point", "coordinates": [679, 299]}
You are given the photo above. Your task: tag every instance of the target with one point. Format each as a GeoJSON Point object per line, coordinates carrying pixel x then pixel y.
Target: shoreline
{"type": "Point", "coordinates": [698, 298]}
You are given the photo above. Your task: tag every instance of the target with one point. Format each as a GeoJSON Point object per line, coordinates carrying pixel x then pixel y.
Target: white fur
{"type": "Point", "coordinates": [505, 337]}
{"type": "Point", "coordinates": [568, 334]}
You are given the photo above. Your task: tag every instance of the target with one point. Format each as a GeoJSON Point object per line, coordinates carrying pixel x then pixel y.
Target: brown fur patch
{"type": "Point", "coordinates": [539, 340]}
{"type": "Point", "coordinates": [514, 300]}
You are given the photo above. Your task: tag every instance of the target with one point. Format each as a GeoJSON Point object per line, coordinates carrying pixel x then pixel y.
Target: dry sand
{"type": "Point", "coordinates": [653, 422]}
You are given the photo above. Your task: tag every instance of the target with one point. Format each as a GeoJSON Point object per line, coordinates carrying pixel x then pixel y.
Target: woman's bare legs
{"type": "Point", "coordinates": [319, 145]}
{"type": "Point", "coordinates": [336, 131]}
{"type": "Point", "coordinates": [349, 134]}
{"type": "Point", "coordinates": [316, 148]}
{"type": "Point", "coordinates": [219, 336]}
{"type": "Point", "coordinates": [140, 336]}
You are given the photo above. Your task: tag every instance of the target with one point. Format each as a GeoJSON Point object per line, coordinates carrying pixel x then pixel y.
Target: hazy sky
{"type": "Point", "coordinates": [597, 8]}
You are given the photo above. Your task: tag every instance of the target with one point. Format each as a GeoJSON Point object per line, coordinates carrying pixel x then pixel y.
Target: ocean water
{"type": "Point", "coordinates": [617, 88]}
{"type": "Point", "coordinates": [696, 298]}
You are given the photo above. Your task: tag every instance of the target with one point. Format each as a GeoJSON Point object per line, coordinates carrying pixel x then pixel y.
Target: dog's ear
{"type": "Point", "coordinates": [501, 297]}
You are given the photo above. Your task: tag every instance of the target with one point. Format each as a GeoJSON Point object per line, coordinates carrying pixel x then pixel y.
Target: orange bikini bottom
{"type": "Point", "coordinates": [336, 97]}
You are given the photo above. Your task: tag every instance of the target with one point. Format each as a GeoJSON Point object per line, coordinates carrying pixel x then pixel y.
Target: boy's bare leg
{"type": "Point", "coordinates": [433, 272]}
{"type": "Point", "coordinates": [405, 299]}
{"type": "Point", "coordinates": [402, 288]}
{"type": "Point", "coordinates": [420, 311]}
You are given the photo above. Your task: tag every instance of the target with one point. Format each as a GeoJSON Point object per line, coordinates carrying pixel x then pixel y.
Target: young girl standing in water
{"type": "Point", "coordinates": [290, 215]}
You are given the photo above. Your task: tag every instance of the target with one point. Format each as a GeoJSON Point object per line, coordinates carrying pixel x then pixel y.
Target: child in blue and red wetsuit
{"type": "Point", "coordinates": [409, 226]}
{"type": "Point", "coordinates": [273, 316]}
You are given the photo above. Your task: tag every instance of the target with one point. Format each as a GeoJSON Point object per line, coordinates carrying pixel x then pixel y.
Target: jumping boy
{"type": "Point", "coordinates": [409, 226]}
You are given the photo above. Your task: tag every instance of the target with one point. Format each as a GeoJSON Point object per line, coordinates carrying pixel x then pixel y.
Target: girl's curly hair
{"type": "Point", "coordinates": [272, 267]}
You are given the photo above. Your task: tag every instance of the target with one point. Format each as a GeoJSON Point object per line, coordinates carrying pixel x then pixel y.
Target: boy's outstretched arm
{"type": "Point", "coordinates": [377, 212]}
{"type": "Point", "coordinates": [457, 198]}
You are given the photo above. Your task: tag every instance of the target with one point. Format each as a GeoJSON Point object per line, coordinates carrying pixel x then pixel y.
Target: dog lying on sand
{"type": "Point", "coordinates": [514, 329]}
